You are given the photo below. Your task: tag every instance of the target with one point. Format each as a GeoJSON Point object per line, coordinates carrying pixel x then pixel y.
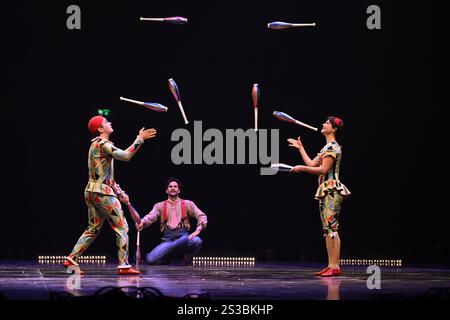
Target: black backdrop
{"type": "Point", "coordinates": [390, 86]}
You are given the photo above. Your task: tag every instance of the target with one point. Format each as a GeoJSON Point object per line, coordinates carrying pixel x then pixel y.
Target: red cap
{"type": "Point", "coordinates": [337, 121]}
{"type": "Point", "coordinates": [95, 123]}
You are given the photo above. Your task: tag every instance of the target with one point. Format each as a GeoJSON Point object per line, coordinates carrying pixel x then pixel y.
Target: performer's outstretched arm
{"type": "Point", "coordinates": [306, 159]}
{"type": "Point", "coordinates": [327, 164]}
{"type": "Point", "coordinates": [126, 155]}
{"type": "Point", "coordinates": [150, 218]}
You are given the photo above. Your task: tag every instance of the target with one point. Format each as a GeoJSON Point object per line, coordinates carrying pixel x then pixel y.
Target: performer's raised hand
{"type": "Point", "coordinates": [145, 134]}
{"type": "Point", "coordinates": [295, 143]}
{"type": "Point", "coordinates": [139, 226]}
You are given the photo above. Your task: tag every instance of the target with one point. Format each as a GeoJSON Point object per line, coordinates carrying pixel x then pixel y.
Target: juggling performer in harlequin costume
{"type": "Point", "coordinates": [103, 195]}
{"type": "Point", "coordinates": [174, 214]}
{"type": "Point", "coordinates": [331, 191]}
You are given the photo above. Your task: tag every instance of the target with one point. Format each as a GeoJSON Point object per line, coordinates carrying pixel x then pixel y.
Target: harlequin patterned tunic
{"type": "Point", "coordinates": [331, 181]}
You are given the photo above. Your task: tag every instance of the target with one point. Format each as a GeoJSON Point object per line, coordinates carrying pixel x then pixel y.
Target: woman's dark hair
{"type": "Point", "coordinates": [338, 124]}
{"type": "Point", "coordinates": [172, 179]}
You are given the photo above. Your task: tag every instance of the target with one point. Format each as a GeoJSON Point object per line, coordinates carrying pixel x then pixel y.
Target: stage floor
{"type": "Point", "coordinates": [21, 280]}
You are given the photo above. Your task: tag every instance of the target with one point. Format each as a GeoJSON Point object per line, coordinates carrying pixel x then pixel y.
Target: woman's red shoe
{"type": "Point", "coordinates": [332, 273]}
{"type": "Point", "coordinates": [319, 273]}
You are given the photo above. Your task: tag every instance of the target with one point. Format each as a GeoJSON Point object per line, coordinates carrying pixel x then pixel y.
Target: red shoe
{"type": "Point", "coordinates": [331, 273]}
{"type": "Point", "coordinates": [128, 271]}
{"type": "Point", "coordinates": [319, 273]}
{"type": "Point", "coordinates": [70, 262]}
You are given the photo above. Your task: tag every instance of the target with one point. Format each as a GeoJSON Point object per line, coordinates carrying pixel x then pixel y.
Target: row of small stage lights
{"type": "Point", "coordinates": [61, 259]}
{"type": "Point", "coordinates": [224, 261]}
{"type": "Point", "coordinates": [367, 262]}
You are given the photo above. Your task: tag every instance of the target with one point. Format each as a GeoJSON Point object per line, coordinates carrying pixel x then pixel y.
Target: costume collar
{"type": "Point", "coordinates": [98, 138]}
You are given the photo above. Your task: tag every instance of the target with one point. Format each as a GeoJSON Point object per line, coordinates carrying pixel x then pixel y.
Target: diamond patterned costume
{"type": "Point", "coordinates": [101, 198]}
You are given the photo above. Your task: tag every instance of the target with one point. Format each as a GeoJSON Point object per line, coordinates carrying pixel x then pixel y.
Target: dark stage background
{"type": "Point", "coordinates": [390, 86]}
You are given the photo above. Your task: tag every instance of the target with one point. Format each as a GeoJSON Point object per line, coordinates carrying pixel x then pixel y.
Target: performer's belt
{"type": "Point", "coordinates": [172, 234]}
{"type": "Point", "coordinates": [180, 225]}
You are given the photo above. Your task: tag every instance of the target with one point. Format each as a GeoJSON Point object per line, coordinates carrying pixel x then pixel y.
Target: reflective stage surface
{"type": "Point", "coordinates": [264, 281]}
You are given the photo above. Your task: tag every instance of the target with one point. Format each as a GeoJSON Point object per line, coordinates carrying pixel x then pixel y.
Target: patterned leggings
{"type": "Point", "coordinates": [100, 208]}
{"type": "Point", "coordinates": [330, 209]}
